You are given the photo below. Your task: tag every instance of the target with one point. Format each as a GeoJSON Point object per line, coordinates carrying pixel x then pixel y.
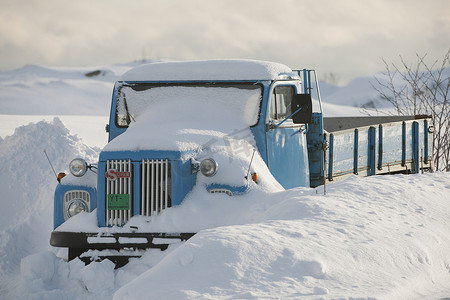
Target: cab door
{"type": "Point", "coordinates": [287, 154]}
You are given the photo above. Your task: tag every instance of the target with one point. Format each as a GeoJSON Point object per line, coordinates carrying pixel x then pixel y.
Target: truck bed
{"type": "Point", "coordinates": [366, 146]}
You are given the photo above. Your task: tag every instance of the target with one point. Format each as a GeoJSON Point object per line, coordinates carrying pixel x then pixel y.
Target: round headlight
{"type": "Point", "coordinates": [75, 207]}
{"type": "Point", "coordinates": [208, 167]}
{"type": "Point", "coordinates": [78, 167]}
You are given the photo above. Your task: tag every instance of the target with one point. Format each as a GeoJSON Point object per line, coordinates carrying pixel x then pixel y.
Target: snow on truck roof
{"type": "Point", "coordinates": [209, 70]}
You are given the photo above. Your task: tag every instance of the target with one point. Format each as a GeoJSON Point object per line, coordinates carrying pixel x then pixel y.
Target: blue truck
{"type": "Point", "coordinates": [166, 123]}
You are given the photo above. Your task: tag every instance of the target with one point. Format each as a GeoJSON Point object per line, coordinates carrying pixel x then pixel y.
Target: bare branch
{"type": "Point", "coordinates": [422, 88]}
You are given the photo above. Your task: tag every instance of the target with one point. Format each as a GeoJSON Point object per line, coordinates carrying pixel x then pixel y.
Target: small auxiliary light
{"type": "Point", "coordinates": [255, 177]}
{"type": "Point", "coordinates": [61, 176]}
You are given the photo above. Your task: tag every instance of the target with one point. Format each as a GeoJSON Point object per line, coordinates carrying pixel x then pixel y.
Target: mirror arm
{"type": "Point", "coordinates": [276, 126]}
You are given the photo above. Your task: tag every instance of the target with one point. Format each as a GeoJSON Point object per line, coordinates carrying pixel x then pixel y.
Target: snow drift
{"type": "Point", "coordinates": [27, 184]}
{"type": "Point", "coordinates": [381, 237]}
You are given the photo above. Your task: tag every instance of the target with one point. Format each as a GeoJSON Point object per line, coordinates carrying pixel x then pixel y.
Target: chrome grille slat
{"type": "Point", "coordinates": [152, 185]}
{"type": "Point", "coordinates": [157, 194]}
{"type": "Point", "coordinates": [166, 186]}
{"type": "Point", "coordinates": [108, 191]}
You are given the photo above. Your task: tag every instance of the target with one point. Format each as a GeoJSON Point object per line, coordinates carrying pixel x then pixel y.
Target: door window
{"type": "Point", "coordinates": [280, 102]}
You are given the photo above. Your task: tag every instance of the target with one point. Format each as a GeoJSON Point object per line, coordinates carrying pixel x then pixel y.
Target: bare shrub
{"type": "Point", "coordinates": [422, 89]}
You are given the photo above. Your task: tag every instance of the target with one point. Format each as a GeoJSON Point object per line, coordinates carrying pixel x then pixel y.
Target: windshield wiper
{"type": "Point", "coordinates": [129, 116]}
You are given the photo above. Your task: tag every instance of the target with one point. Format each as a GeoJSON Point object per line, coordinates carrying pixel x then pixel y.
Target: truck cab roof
{"type": "Point", "coordinates": [210, 70]}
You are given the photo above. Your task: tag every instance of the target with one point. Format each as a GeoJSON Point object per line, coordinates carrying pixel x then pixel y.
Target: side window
{"type": "Point", "coordinates": [280, 102]}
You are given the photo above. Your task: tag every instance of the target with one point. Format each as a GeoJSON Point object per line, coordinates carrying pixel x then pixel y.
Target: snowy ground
{"type": "Point", "coordinates": [385, 237]}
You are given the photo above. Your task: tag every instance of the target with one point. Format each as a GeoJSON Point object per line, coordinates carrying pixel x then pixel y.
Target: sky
{"type": "Point", "coordinates": [348, 38]}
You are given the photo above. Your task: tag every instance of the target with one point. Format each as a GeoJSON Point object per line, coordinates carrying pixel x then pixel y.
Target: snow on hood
{"type": "Point", "coordinates": [208, 70]}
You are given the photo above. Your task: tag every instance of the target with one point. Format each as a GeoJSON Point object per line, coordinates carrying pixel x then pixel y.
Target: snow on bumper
{"type": "Point", "coordinates": [99, 241]}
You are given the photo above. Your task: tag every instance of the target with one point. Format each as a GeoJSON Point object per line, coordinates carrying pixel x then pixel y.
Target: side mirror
{"type": "Point", "coordinates": [304, 115]}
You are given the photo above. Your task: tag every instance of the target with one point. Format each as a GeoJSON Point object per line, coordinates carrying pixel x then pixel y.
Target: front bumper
{"type": "Point", "coordinates": [101, 241]}
{"type": "Point", "coordinates": [78, 243]}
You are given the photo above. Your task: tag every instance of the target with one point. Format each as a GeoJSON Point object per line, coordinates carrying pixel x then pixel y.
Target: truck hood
{"type": "Point", "coordinates": [169, 138]}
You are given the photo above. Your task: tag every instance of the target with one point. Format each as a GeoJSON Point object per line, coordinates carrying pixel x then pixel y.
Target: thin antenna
{"type": "Point", "coordinates": [45, 152]}
{"type": "Point", "coordinates": [251, 160]}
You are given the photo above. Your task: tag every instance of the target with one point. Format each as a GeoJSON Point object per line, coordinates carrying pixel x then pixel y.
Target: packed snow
{"type": "Point", "coordinates": [196, 108]}
{"type": "Point", "coordinates": [216, 70]}
{"type": "Point", "coordinates": [384, 237]}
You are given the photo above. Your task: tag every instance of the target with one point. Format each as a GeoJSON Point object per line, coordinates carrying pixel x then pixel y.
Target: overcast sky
{"type": "Point", "coordinates": [348, 38]}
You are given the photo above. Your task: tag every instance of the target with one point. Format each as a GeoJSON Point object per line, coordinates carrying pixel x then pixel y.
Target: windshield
{"type": "Point", "coordinates": [242, 100]}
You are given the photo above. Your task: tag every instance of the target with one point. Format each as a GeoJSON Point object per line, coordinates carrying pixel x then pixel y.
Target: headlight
{"type": "Point", "coordinates": [78, 167]}
{"type": "Point", "coordinates": [208, 167]}
{"type": "Point", "coordinates": [75, 207]}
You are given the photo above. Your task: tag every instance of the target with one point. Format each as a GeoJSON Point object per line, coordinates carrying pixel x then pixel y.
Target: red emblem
{"type": "Point", "coordinates": [113, 174]}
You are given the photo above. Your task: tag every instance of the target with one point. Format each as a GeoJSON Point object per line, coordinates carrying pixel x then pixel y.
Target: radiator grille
{"type": "Point", "coordinates": [154, 183]}
{"type": "Point", "coordinates": [119, 185]}
{"type": "Point", "coordinates": [155, 186]}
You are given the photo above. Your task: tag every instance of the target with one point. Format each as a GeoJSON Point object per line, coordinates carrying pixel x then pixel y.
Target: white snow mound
{"type": "Point", "coordinates": [237, 69]}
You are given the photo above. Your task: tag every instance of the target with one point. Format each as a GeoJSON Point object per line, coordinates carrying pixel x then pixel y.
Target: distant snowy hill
{"type": "Point", "coordinates": [80, 97]}
{"type": "Point", "coordinates": [360, 92]}
{"type": "Point", "coordinates": [385, 237]}
{"type": "Point", "coordinates": [37, 90]}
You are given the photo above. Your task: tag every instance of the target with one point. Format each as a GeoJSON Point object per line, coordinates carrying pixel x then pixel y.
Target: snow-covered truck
{"type": "Point", "coordinates": [227, 127]}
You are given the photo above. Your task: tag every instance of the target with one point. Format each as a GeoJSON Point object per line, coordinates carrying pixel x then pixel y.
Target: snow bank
{"type": "Point", "coordinates": [27, 184]}
{"type": "Point", "coordinates": [381, 237]}
{"type": "Point", "coordinates": [90, 129]}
